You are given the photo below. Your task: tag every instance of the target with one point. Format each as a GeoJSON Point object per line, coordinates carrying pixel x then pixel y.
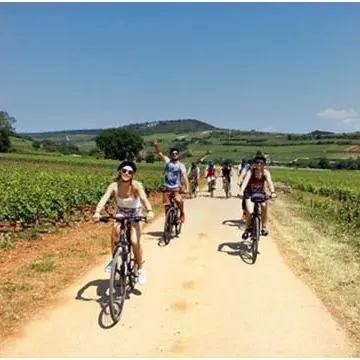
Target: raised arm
{"type": "Point", "coordinates": [104, 199]}
{"type": "Point", "coordinates": [158, 151]}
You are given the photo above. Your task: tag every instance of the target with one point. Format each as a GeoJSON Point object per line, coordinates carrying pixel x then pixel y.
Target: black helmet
{"type": "Point", "coordinates": [127, 163]}
{"type": "Point", "coordinates": [260, 157]}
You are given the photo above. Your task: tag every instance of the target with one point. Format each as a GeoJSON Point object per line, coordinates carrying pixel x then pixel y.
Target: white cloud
{"type": "Point", "coordinates": [349, 120]}
{"type": "Point", "coordinates": [338, 114]}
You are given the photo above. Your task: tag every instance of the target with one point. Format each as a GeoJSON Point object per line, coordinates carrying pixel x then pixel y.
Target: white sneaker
{"type": "Point", "coordinates": [108, 267]}
{"type": "Point", "coordinates": [142, 276]}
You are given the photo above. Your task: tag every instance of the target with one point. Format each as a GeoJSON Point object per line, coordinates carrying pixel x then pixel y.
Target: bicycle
{"type": "Point", "coordinates": [172, 219]}
{"type": "Point", "coordinates": [123, 276]}
{"type": "Point", "coordinates": [226, 186]}
{"type": "Point", "coordinates": [211, 185]}
{"type": "Point", "coordinates": [257, 198]}
{"type": "Point", "coordinates": [193, 188]}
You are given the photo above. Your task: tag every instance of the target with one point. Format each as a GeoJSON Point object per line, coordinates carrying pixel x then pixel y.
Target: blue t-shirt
{"type": "Point", "coordinates": [244, 167]}
{"type": "Point", "coordinates": [173, 173]}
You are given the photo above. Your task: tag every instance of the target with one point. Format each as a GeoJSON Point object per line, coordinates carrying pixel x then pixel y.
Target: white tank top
{"type": "Point", "coordinates": [128, 202]}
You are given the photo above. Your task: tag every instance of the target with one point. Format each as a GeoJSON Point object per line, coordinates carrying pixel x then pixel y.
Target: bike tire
{"type": "Point", "coordinates": [168, 225]}
{"type": "Point", "coordinates": [255, 238]}
{"type": "Point", "coordinates": [178, 223]}
{"type": "Point", "coordinates": [117, 286]}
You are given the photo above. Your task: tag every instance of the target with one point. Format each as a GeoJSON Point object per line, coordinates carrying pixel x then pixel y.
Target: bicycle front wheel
{"type": "Point", "coordinates": [168, 227]}
{"type": "Point", "coordinates": [178, 222]}
{"type": "Point", "coordinates": [117, 286]}
{"type": "Point", "coordinates": [255, 238]}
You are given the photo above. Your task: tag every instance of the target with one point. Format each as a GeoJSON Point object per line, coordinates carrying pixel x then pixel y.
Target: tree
{"type": "Point", "coordinates": [6, 129]}
{"type": "Point", "coordinates": [36, 144]}
{"type": "Point", "coordinates": [150, 158]}
{"type": "Point", "coordinates": [120, 144]}
{"type": "Point", "coordinates": [324, 163]}
{"type": "Point", "coordinates": [5, 143]}
{"type": "Point", "coordinates": [7, 122]}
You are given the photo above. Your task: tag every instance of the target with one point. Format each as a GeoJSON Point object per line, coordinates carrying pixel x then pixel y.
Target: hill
{"type": "Point", "coordinates": [147, 128]}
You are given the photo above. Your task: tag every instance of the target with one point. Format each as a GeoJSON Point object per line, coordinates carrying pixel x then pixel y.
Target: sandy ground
{"type": "Point", "coordinates": [201, 300]}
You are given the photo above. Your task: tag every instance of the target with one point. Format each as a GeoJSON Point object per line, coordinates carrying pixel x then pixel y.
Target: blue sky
{"type": "Point", "coordinates": [284, 67]}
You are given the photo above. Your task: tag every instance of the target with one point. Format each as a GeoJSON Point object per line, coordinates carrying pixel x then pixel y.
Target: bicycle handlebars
{"type": "Point", "coordinates": [106, 219]}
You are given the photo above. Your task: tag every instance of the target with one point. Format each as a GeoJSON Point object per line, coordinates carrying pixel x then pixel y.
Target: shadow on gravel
{"type": "Point", "coordinates": [153, 235]}
{"type": "Point", "coordinates": [102, 292]}
{"type": "Point", "coordinates": [235, 223]}
{"type": "Point", "coordinates": [241, 249]}
{"type": "Point", "coordinates": [156, 235]}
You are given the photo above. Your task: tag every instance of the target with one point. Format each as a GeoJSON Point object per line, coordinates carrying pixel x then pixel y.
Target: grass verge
{"type": "Point", "coordinates": [324, 257]}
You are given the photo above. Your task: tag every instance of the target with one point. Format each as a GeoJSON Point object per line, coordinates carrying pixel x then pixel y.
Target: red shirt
{"type": "Point", "coordinates": [211, 171]}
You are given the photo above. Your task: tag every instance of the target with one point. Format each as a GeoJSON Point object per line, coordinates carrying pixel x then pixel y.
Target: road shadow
{"type": "Point", "coordinates": [102, 298]}
{"type": "Point", "coordinates": [239, 223]}
{"type": "Point", "coordinates": [156, 235]}
{"type": "Point", "coordinates": [240, 248]}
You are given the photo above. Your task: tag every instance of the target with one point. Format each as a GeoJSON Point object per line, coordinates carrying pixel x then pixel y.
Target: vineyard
{"type": "Point", "coordinates": [335, 194]}
{"type": "Point", "coordinates": [31, 194]}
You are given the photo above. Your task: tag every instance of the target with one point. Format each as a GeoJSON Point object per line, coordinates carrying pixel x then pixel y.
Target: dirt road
{"type": "Point", "coordinates": [201, 300]}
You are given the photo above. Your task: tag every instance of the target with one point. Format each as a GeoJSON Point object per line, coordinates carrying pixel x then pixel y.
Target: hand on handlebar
{"type": "Point", "coordinates": [96, 217]}
{"type": "Point", "coordinates": [273, 196]}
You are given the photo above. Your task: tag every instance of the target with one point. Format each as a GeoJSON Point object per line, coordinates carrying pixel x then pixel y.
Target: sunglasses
{"type": "Point", "coordinates": [174, 153]}
{"type": "Point", "coordinates": [259, 163]}
{"type": "Point", "coordinates": [127, 171]}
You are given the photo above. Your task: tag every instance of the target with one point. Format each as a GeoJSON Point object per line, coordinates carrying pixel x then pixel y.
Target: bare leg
{"type": "Point", "coordinates": [115, 236]}
{"type": "Point", "coordinates": [136, 245]}
{"type": "Point", "coordinates": [264, 214]}
{"type": "Point", "coordinates": [249, 210]}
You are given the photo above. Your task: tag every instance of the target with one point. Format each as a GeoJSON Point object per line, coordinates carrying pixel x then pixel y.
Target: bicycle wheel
{"type": "Point", "coordinates": [177, 223]}
{"type": "Point", "coordinates": [168, 227]}
{"type": "Point", "coordinates": [117, 285]}
{"type": "Point", "coordinates": [255, 238]}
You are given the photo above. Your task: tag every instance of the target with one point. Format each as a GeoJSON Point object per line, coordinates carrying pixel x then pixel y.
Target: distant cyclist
{"type": "Point", "coordinates": [175, 172]}
{"type": "Point", "coordinates": [130, 196]}
{"type": "Point", "coordinates": [254, 182]}
{"type": "Point", "coordinates": [226, 173]}
{"type": "Point", "coordinates": [243, 167]}
{"type": "Point", "coordinates": [211, 174]}
{"type": "Point", "coordinates": [194, 174]}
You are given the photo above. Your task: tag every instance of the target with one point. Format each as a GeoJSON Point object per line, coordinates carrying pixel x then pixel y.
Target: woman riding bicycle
{"type": "Point", "coordinates": [254, 182]}
{"type": "Point", "coordinates": [130, 196]}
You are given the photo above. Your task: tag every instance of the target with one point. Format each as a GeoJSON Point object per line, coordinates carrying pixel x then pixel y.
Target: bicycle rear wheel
{"type": "Point", "coordinates": [255, 238]}
{"type": "Point", "coordinates": [117, 286]}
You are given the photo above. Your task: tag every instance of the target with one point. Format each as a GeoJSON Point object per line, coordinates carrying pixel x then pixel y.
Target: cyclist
{"type": "Point", "coordinates": [210, 174]}
{"type": "Point", "coordinates": [194, 174]}
{"type": "Point", "coordinates": [226, 173]}
{"type": "Point", "coordinates": [254, 181]}
{"type": "Point", "coordinates": [242, 167]}
{"type": "Point", "coordinates": [130, 196]}
{"type": "Point", "coordinates": [175, 172]}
